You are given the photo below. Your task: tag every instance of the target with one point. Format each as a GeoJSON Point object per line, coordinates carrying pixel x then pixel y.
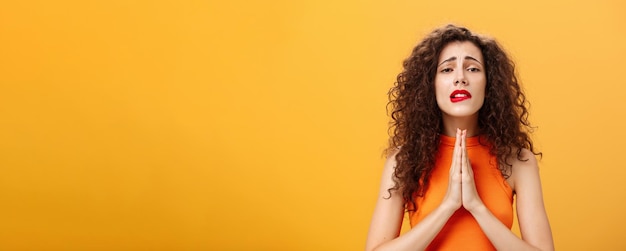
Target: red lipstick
{"type": "Point", "coordinates": [459, 95]}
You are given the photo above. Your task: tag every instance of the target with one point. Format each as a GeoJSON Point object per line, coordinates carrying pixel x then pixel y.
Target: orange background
{"type": "Point", "coordinates": [259, 125]}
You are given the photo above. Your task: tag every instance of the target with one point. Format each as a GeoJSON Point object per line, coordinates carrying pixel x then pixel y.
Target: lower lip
{"type": "Point", "coordinates": [459, 99]}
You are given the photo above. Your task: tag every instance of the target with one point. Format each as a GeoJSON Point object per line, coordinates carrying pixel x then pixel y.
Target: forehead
{"type": "Point", "coordinates": [460, 49]}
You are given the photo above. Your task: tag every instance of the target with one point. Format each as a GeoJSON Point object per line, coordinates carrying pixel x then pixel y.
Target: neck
{"type": "Point", "coordinates": [450, 124]}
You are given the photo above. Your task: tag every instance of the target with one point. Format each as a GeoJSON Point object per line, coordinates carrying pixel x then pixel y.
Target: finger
{"type": "Point", "coordinates": [453, 161]}
{"type": "Point", "coordinates": [463, 143]}
{"type": "Point", "coordinates": [466, 160]}
{"type": "Point", "coordinates": [457, 140]}
{"type": "Point", "coordinates": [463, 160]}
{"type": "Point", "coordinates": [468, 163]}
{"type": "Point", "coordinates": [456, 158]}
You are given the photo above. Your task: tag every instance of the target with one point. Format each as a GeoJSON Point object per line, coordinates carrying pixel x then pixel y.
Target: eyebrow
{"type": "Point", "coordinates": [454, 58]}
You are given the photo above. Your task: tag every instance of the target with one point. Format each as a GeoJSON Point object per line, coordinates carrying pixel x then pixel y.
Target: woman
{"type": "Point", "coordinates": [459, 150]}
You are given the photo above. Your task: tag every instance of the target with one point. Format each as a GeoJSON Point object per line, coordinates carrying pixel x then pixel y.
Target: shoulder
{"type": "Point", "coordinates": [524, 168]}
{"type": "Point", "coordinates": [391, 155]}
{"type": "Point", "coordinates": [390, 166]}
{"type": "Point", "coordinates": [526, 158]}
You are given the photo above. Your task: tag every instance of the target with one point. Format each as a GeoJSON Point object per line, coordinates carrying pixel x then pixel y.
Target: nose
{"type": "Point", "coordinates": [460, 79]}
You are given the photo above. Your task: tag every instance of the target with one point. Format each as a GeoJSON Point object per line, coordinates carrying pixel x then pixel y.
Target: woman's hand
{"type": "Point", "coordinates": [453, 199]}
{"type": "Point", "coordinates": [461, 187]}
{"type": "Point", "coordinates": [471, 200]}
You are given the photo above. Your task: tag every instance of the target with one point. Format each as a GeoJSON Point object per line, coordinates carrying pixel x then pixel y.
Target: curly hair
{"type": "Point", "coordinates": [416, 120]}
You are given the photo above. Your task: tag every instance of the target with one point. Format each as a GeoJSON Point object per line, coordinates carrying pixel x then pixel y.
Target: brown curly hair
{"type": "Point", "coordinates": [417, 122]}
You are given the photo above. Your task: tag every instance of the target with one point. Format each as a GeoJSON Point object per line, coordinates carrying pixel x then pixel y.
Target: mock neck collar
{"type": "Point", "coordinates": [469, 141]}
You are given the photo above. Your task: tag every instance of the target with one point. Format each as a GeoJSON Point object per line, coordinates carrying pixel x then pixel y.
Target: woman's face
{"type": "Point", "coordinates": [460, 80]}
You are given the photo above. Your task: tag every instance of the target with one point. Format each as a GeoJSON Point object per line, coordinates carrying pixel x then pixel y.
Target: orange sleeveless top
{"type": "Point", "coordinates": [462, 232]}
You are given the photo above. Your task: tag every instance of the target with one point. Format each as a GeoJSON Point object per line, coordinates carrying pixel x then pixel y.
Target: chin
{"type": "Point", "coordinates": [462, 113]}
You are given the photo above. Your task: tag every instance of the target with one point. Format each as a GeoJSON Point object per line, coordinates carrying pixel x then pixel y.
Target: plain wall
{"type": "Point", "coordinates": [260, 125]}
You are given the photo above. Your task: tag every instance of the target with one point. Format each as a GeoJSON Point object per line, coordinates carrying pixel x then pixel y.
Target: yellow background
{"type": "Point", "coordinates": [260, 125]}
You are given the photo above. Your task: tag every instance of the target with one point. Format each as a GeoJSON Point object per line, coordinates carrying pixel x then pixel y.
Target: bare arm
{"type": "Point", "coordinates": [533, 220]}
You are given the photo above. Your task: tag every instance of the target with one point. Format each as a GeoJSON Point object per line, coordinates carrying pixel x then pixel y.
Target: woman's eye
{"type": "Point", "coordinates": [446, 70]}
{"type": "Point", "coordinates": [473, 69]}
